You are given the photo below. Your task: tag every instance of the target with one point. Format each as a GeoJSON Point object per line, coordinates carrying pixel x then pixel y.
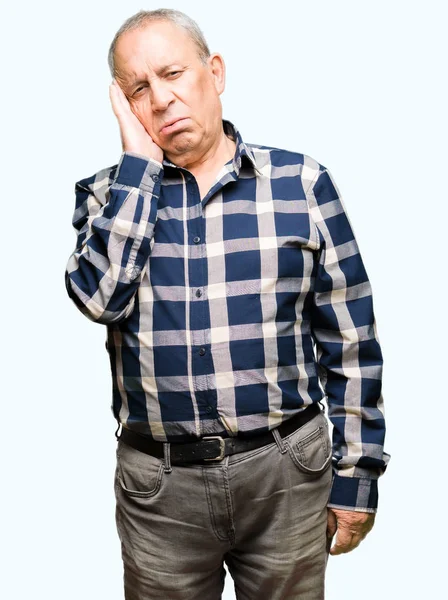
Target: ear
{"type": "Point", "coordinates": [217, 68]}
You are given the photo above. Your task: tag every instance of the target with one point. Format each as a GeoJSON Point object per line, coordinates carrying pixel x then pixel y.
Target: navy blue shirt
{"type": "Point", "coordinates": [230, 314]}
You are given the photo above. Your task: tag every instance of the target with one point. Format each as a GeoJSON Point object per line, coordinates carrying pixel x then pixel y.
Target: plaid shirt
{"type": "Point", "coordinates": [236, 312]}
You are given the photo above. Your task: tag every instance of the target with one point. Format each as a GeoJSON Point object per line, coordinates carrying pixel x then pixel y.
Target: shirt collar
{"type": "Point", "coordinates": [242, 149]}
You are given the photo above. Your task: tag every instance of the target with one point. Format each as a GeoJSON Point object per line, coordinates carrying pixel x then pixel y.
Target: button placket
{"type": "Point", "coordinates": [199, 338]}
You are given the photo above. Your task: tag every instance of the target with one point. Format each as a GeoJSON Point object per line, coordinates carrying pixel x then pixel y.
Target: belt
{"type": "Point", "coordinates": [215, 447]}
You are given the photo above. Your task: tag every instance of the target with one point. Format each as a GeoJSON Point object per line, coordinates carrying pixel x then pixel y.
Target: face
{"type": "Point", "coordinates": [160, 72]}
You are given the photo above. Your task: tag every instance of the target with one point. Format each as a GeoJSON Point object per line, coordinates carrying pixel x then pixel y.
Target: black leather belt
{"type": "Point", "coordinates": [213, 447]}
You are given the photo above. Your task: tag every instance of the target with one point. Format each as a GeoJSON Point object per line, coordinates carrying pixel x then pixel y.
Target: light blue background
{"type": "Point", "coordinates": [360, 87]}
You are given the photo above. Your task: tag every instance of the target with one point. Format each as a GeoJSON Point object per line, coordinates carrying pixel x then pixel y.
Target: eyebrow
{"type": "Point", "coordinates": [160, 71]}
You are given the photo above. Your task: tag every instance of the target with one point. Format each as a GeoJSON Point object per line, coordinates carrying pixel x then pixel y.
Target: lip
{"type": "Point", "coordinates": [173, 125]}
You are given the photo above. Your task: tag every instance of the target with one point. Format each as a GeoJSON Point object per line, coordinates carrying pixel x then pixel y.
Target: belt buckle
{"type": "Point", "coordinates": [222, 446]}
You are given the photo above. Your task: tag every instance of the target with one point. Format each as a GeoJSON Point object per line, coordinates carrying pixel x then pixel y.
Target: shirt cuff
{"type": "Point", "coordinates": [354, 493]}
{"type": "Point", "coordinates": [138, 171]}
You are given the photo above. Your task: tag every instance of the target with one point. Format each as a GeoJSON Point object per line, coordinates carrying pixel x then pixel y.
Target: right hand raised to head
{"type": "Point", "coordinates": [134, 137]}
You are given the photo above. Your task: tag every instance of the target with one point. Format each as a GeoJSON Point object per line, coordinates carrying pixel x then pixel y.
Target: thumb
{"type": "Point", "coordinates": [332, 523]}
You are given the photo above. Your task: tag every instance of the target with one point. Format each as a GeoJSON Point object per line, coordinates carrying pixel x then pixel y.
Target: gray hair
{"type": "Point", "coordinates": [144, 17]}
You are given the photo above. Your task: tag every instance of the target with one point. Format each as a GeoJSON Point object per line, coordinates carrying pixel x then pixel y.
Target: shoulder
{"type": "Point", "coordinates": [282, 162]}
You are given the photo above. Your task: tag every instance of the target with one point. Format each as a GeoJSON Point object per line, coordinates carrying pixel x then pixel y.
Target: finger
{"type": "Point", "coordinates": [119, 101]}
{"type": "Point", "coordinates": [331, 524]}
{"type": "Point", "coordinates": [356, 540]}
{"type": "Point", "coordinates": [114, 99]}
{"type": "Point", "coordinates": [343, 541]}
{"type": "Point", "coordinates": [369, 525]}
{"type": "Point", "coordinates": [351, 545]}
{"type": "Point", "coordinates": [347, 545]}
{"type": "Point", "coordinates": [360, 530]}
{"type": "Point", "coordinates": [328, 545]}
{"type": "Point", "coordinates": [340, 548]}
{"type": "Point", "coordinates": [124, 102]}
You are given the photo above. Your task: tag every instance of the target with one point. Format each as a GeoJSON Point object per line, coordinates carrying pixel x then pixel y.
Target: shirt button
{"type": "Point", "coordinates": [155, 177]}
{"type": "Point", "coordinates": [196, 239]}
{"type": "Point", "coordinates": [201, 351]}
{"type": "Point", "coordinates": [133, 272]}
{"type": "Point", "coordinates": [209, 409]}
{"type": "Point", "coordinates": [198, 293]}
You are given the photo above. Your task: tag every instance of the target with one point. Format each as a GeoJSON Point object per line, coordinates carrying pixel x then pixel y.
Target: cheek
{"type": "Point", "coordinates": [138, 109]}
{"type": "Point", "coordinates": [144, 115]}
{"type": "Point", "coordinates": [207, 94]}
{"type": "Point", "coordinates": [142, 111]}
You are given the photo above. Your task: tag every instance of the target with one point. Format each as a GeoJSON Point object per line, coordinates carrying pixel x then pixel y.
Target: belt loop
{"type": "Point", "coordinates": [118, 436]}
{"type": "Point", "coordinates": [167, 457]}
{"type": "Point", "coordinates": [279, 441]}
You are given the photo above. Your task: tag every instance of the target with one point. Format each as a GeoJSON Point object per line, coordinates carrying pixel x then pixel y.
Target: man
{"type": "Point", "coordinates": [232, 288]}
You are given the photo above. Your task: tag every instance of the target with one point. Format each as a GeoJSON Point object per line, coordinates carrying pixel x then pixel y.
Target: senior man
{"type": "Point", "coordinates": [236, 301]}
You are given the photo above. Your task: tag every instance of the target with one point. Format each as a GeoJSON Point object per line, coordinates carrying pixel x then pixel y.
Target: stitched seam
{"type": "Point", "coordinates": [210, 508]}
{"type": "Point", "coordinates": [120, 185]}
{"type": "Point", "coordinates": [311, 186]}
{"type": "Point", "coordinates": [147, 494]}
{"type": "Point", "coordinates": [313, 181]}
{"type": "Point", "coordinates": [310, 437]}
{"type": "Point", "coordinates": [253, 453]}
{"type": "Point", "coordinates": [231, 531]}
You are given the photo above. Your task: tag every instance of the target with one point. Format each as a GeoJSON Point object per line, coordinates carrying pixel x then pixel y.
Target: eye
{"type": "Point", "coordinates": [173, 72]}
{"type": "Point", "coordinates": [137, 91]}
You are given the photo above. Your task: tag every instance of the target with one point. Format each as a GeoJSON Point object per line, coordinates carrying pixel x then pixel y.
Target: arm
{"type": "Point", "coordinates": [115, 223]}
{"type": "Point", "coordinates": [348, 354]}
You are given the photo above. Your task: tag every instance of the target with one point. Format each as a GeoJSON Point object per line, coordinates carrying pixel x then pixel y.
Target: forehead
{"type": "Point", "coordinates": [152, 47]}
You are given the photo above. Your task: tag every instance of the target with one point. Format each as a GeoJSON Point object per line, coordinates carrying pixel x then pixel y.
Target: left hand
{"type": "Point", "coordinates": [352, 527]}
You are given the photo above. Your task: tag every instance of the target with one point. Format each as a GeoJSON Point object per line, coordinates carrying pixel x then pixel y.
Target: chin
{"type": "Point", "coordinates": [183, 141]}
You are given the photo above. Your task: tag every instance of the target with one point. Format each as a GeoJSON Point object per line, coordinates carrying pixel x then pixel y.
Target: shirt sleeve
{"type": "Point", "coordinates": [348, 353]}
{"type": "Point", "coordinates": [114, 220]}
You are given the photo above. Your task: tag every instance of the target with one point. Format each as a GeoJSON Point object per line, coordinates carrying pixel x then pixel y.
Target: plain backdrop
{"type": "Point", "coordinates": [360, 87]}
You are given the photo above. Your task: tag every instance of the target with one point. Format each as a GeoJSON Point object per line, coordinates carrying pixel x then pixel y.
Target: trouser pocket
{"type": "Point", "coordinates": [138, 474]}
{"type": "Point", "coordinates": [310, 446]}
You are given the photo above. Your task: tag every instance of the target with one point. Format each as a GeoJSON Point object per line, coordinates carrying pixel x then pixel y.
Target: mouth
{"type": "Point", "coordinates": [174, 125]}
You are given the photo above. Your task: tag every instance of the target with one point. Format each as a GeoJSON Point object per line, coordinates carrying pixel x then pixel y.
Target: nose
{"type": "Point", "coordinates": [161, 96]}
